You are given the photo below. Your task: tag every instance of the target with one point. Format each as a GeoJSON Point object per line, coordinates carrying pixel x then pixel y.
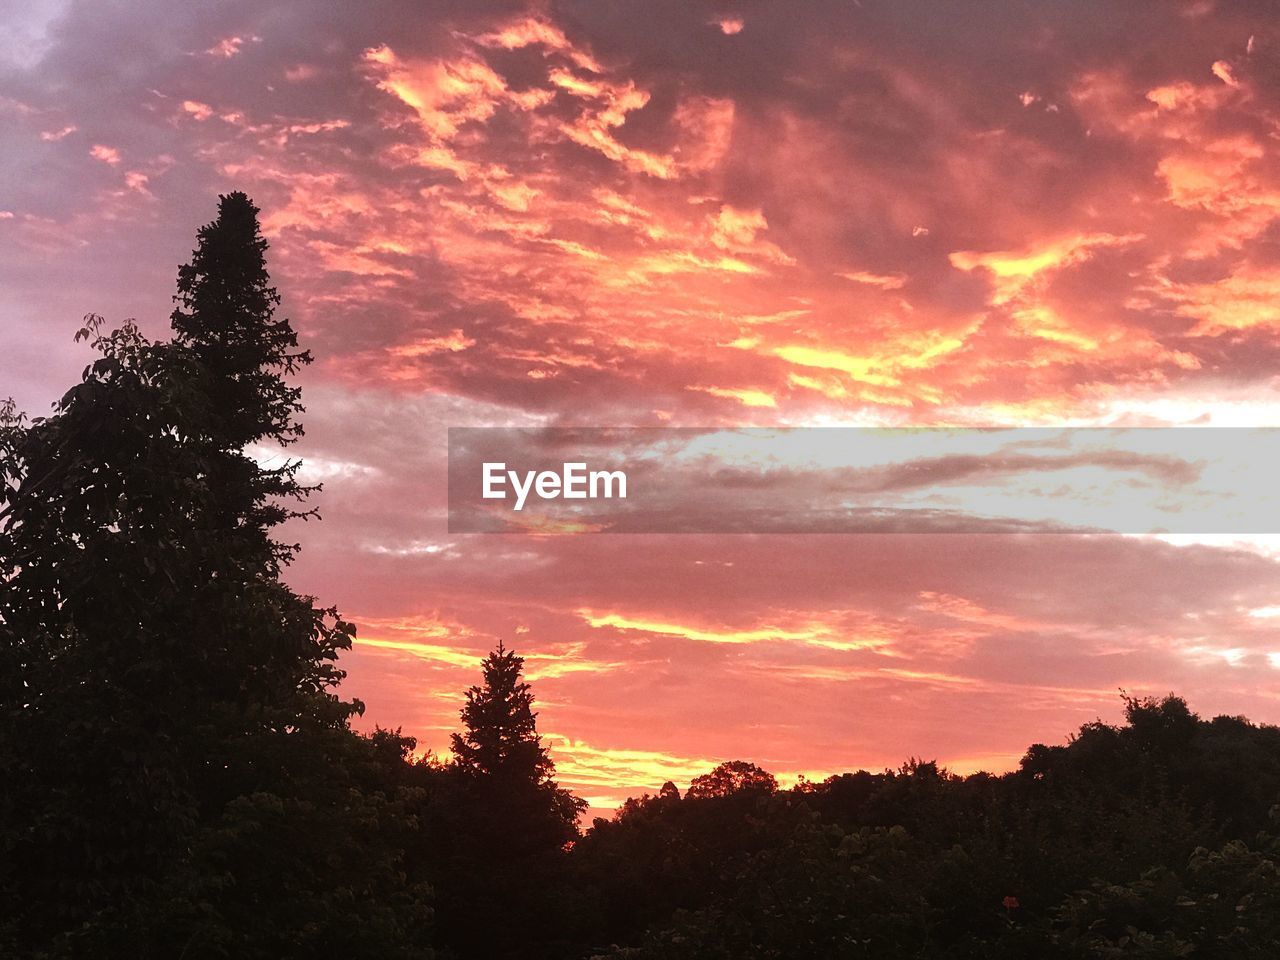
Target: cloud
{"type": "Point", "coordinates": [104, 153]}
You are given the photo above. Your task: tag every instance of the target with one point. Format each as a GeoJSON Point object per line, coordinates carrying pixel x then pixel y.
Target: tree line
{"type": "Point", "coordinates": [179, 776]}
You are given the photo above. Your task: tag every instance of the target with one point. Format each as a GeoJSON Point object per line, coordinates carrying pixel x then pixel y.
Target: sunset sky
{"type": "Point", "coordinates": [700, 214]}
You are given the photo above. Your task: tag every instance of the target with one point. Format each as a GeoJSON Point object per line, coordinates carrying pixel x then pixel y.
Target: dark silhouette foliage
{"type": "Point", "coordinates": [500, 737]}
{"type": "Point", "coordinates": [730, 778]}
{"type": "Point", "coordinates": [226, 319]}
{"type": "Point", "coordinates": [179, 778]}
{"type": "Point", "coordinates": [507, 833]}
{"type": "Point", "coordinates": [1156, 838]}
{"type": "Point", "coordinates": [167, 707]}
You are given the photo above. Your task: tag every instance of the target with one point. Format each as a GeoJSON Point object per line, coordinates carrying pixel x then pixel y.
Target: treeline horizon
{"type": "Point", "coordinates": [179, 775]}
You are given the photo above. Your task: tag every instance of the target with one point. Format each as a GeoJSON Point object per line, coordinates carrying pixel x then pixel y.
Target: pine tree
{"type": "Point", "coordinates": [167, 714]}
{"type": "Point", "coordinates": [510, 824]}
{"type": "Point", "coordinates": [226, 322]}
{"type": "Point", "coordinates": [226, 328]}
{"type": "Point", "coordinates": [501, 737]}
{"type": "Point", "coordinates": [226, 317]}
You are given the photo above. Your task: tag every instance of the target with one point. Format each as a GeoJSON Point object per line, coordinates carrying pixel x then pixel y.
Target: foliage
{"type": "Point", "coordinates": [1224, 904]}
{"type": "Point", "coordinates": [163, 689]}
{"type": "Point", "coordinates": [732, 777]}
{"type": "Point", "coordinates": [504, 836]}
{"type": "Point", "coordinates": [226, 319]}
{"type": "Point", "coordinates": [1122, 843]}
{"type": "Point", "coordinates": [500, 738]}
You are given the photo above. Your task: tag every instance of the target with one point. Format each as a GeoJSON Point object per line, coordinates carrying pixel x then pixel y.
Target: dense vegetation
{"type": "Point", "coordinates": [178, 775]}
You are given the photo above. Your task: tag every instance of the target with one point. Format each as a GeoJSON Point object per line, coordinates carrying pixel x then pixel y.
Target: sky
{"type": "Point", "coordinates": [709, 215]}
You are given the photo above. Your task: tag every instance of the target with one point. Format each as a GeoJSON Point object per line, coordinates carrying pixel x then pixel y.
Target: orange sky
{"type": "Point", "coordinates": [701, 214]}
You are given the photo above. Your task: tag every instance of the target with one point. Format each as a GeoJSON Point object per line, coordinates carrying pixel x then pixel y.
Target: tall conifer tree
{"type": "Point", "coordinates": [167, 715]}
{"type": "Point", "coordinates": [501, 737]}
{"type": "Point", "coordinates": [226, 317]}
{"type": "Point", "coordinates": [507, 843]}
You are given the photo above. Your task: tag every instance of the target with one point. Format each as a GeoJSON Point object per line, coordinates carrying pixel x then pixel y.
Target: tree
{"type": "Point", "coordinates": [507, 829]}
{"type": "Point", "coordinates": [225, 322]}
{"type": "Point", "coordinates": [96, 558]}
{"type": "Point", "coordinates": [226, 328]}
{"type": "Point", "coordinates": [500, 737]}
{"type": "Point", "coordinates": [226, 318]}
{"type": "Point", "coordinates": [734, 776]}
{"type": "Point", "coordinates": [501, 753]}
{"type": "Point", "coordinates": [165, 693]}
{"type": "Point", "coordinates": [1162, 726]}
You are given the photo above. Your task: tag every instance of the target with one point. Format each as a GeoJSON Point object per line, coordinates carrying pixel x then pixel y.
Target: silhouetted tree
{"type": "Point", "coordinates": [226, 318]}
{"type": "Point", "coordinates": [500, 736]}
{"type": "Point", "coordinates": [509, 829]}
{"type": "Point", "coordinates": [167, 719]}
{"type": "Point", "coordinates": [502, 755]}
{"type": "Point", "coordinates": [1140, 839]}
{"type": "Point", "coordinates": [734, 776]}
